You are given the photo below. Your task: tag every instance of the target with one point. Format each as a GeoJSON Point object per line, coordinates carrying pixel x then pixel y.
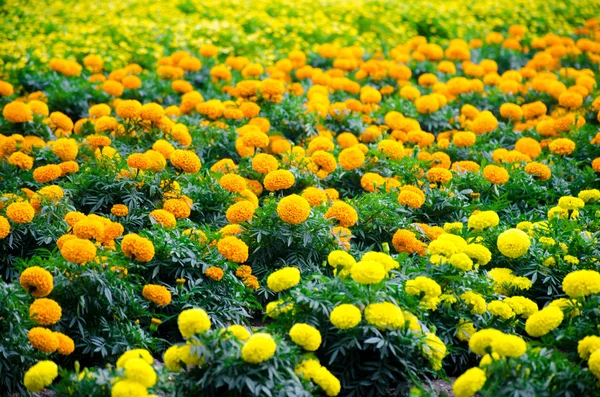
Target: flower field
{"type": "Point", "coordinates": [320, 198]}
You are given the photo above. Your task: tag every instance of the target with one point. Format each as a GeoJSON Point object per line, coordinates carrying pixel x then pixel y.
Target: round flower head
{"type": "Point", "coordinates": [157, 294]}
{"type": "Point", "coordinates": [544, 321]}
{"type": "Point", "coordinates": [293, 209]}
{"type": "Point", "coordinates": [368, 272]}
{"type": "Point", "coordinates": [43, 339]}
{"type": "Point", "coordinates": [258, 348]}
{"type": "Point", "coordinates": [384, 315]}
{"type": "Point", "coordinates": [193, 321]}
{"type": "Point", "coordinates": [137, 247]}
{"type": "Point", "coordinates": [327, 381]}
{"type": "Point", "coordinates": [40, 376]}
{"type": "Point", "coordinates": [233, 249]}
{"type": "Point", "coordinates": [45, 311]}
{"type": "Point", "coordinates": [283, 279]}
{"type": "Point", "coordinates": [481, 340]}
{"type": "Point", "coordinates": [581, 283]}
{"type": "Point", "coordinates": [17, 112]}
{"type": "Point", "coordinates": [185, 160]}
{"type": "Point", "coordinates": [279, 180]}
{"type": "Point", "coordinates": [513, 243]}
{"type": "Point", "coordinates": [306, 336]}
{"type": "Point", "coordinates": [37, 281]}
{"type": "Point", "coordinates": [66, 345]}
{"type": "Point", "coordinates": [344, 213]}
{"type": "Point", "coordinates": [345, 316]}
{"type": "Point", "coordinates": [20, 212]}
{"type": "Point", "coordinates": [135, 353]}
{"type": "Point", "coordinates": [78, 251]}
{"type": "Point", "coordinates": [138, 370]}
{"type": "Point", "coordinates": [469, 383]}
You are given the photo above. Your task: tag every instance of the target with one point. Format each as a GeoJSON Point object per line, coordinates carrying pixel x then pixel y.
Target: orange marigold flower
{"type": "Point", "coordinates": [496, 175]}
{"type": "Point", "coordinates": [242, 211]}
{"type": "Point", "coordinates": [539, 171]}
{"type": "Point", "coordinates": [251, 282]}
{"type": "Point", "coordinates": [293, 209]}
{"type": "Point", "coordinates": [344, 213]}
{"type": "Point", "coordinates": [4, 227]}
{"type": "Point", "coordinates": [43, 339]}
{"type": "Point", "coordinates": [20, 212]}
{"type": "Point", "coordinates": [406, 241]}
{"type": "Point", "coordinates": [264, 163]}
{"type": "Point", "coordinates": [233, 249]}
{"type": "Point", "coordinates": [47, 173]}
{"type": "Point", "coordinates": [185, 160]}
{"type": "Point", "coordinates": [37, 281]}
{"type": "Point", "coordinates": [137, 247]}
{"type": "Point", "coordinates": [21, 160]}
{"type": "Point", "coordinates": [279, 180]}
{"type": "Point", "coordinates": [157, 294]}
{"type": "Point", "coordinates": [17, 112]}
{"type": "Point", "coordinates": [562, 146]}
{"type": "Point", "coordinates": [77, 250]}
{"type": "Point", "coordinates": [119, 210]}
{"type": "Point", "coordinates": [214, 273]}
{"type": "Point", "coordinates": [411, 199]}
{"type": "Point", "coordinates": [66, 345]}
{"type": "Point", "coordinates": [179, 207]}
{"type": "Point", "coordinates": [439, 175]}
{"type": "Point", "coordinates": [165, 218]}
{"type": "Point", "coordinates": [45, 311]}
{"type": "Point", "coordinates": [243, 271]}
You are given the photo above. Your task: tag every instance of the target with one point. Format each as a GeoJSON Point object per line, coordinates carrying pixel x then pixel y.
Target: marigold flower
{"type": "Point", "coordinates": [137, 247]}
{"type": "Point", "coordinates": [40, 376]}
{"type": "Point", "coordinates": [562, 146]}
{"type": "Point", "coordinates": [157, 294]}
{"type": "Point", "coordinates": [66, 345]}
{"type": "Point", "coordinates": [284, 278]}
{"type": "Point", "coordinates": [469, 383]}
{"type": "Point", "coordinates": [45, 311]}
{"type": "Point", "coordinates": [513, 243]}
{"type": "Point", "coordinates": [344, 213]}
{"type": "Point", "coordinates": [20, 212]}
{"type": "Point", "coordinates": [193, 321]}
{"type": "Point", "coordinates": [496, 175]}
{"type": "Point", "coordinates": [185, 160]}
{"type": "Point", "coordinates": [258, 348]}
{"type": "Point", "coordinates": [544, 321]}
{"type": "Point", "coordinates": [214, 273]}
{"type": "Point", "coordinates": [233, 249]}
{"type": "Point", "coordinates": [17, 112]}
{"type": "Point", "coordinates": [43, 339]}
{"type": "Point", "coordinates": [293, 209]}
{"type": "Point", "coordinates": [581, 283]}
{"type": "Point", "coordinates": [279, 180]}
{"type": "Point", "coordinates": [306, 336]}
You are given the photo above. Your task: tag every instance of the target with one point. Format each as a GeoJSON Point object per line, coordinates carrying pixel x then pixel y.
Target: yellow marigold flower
{"type": "Point", "coordinates": [279, 180]}
{"type": "Point", "coordinates": [544, 321]}
{"type": "Point", "coordinates": [258, 348]}
{"type": "Point", "coordinates": [570, 203]}
{"type": "Point", "coordinates": [239, 331]}
{"type": "Point", "coordinates": [581, 283]}
{"type": "Point", "coordinates": [127, 387]}
{"type": "Point", "coordinates": [137, 247]}
{"type": "Point", "coordinates": [17, 112]}
{"type": "Point", "coordinates": [384, 315]}
{"type": "Point", "coordinates": [327, 381]}
{"type": "Point", "coordinates": [134, 353]}
{"type": "Point", "coordinates": [47, 173]}
{"type": "Point", "coordinates": [368, 272]}
{"type": "Point", "coordinates": [233, 249]}
{"type": "Point", "coordinates": [587, 346]}
{"type": "Point", "coordinates": [45, 311]}
{"type": "Point", "coordinates": [138, 370]}
{"type": "Point", "coordinates": [283, 279]}
{"type": "Point", "coordinates": [66, 345]}
{"type": "Point", "coordinates": [423, 287]}
{"type": "Point", "coordinates": [386, 260]}
{"type": "Point", "coordinates": [345, 316]}
{"type": "Point", "coordinates": [233, 183]}
{"type": "Point", "coordinates": [157, 294]}
{"type": "Point", "coordinates": [306, 336]}
{"type": "Point", "coordinates": [435, 350]}
{"type": "Point", "coordinates": [469, 383]}
{"type": "Point", "coordinates": [500, 309]}
{"type": "Point", "coordinates": [43, 339]}
{"type": "Point", "coordinates": [193, 321]}
{"type": "Point", "coordinates": [214, 273]}
{"type": "Point", "coordinates": [482, 340]}
{"type": "Point", "coordinates": [293, 209]}
{"type": "Point", "coordinates": [464, 330]}
{"type": "Point", "coordinates": [513, 243]}
{"type": "Point", "coordinates": [40, 376]}
{"type": "Point", "coordinates": [483, 220]}
{"type": "Point", "coordinates": [20, 212]}
{"type": "Point", "coordinates": [172, 358]}
{"type": "Point", "coordinates": [307, 368]}
{"type": "Point", "coordinates": [522, 306]}
{"type": "Point", "coordinates": [475, 301]}
{"type": "Point", "coordinates": [165, 218]}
